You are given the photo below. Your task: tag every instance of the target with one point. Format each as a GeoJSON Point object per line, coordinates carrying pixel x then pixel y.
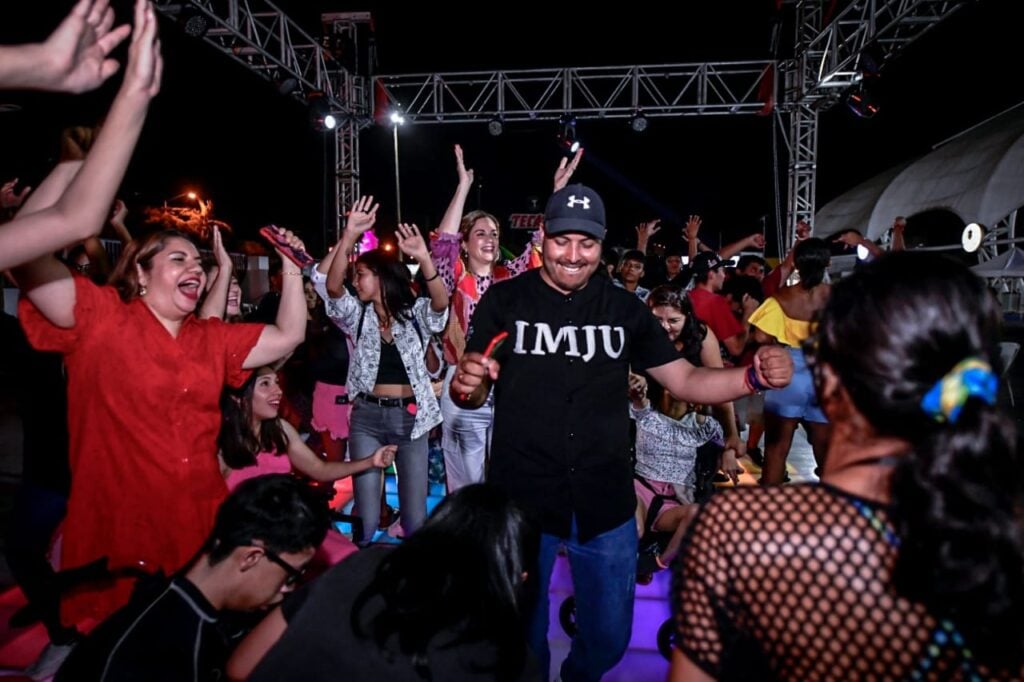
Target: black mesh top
{"type": "Point", "coordinates": [792, 583]}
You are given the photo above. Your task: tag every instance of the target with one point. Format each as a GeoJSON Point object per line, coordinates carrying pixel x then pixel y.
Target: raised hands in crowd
{"type": "Point", "coordinates": [218, 279]}
{"type": "Point", "coordinates": [644, 232]}
{"type": "Point", "coordinates": [563, 174]}
{"type": "Point", "coordinates": [77, 199]}
{"type": "Point", "coordinates": [75, 58]}
{"type": "Point", "coordinates": [361, 219]}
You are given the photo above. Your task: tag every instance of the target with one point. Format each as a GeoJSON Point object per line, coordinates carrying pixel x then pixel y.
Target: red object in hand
{"type": "Point", "coordinates": [492, 347]}
{"type": "Point", "coordinates": [295, 255]}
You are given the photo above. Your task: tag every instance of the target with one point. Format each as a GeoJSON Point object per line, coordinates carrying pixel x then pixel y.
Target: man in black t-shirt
{"type": "Point", "coordinates": [265, 533]}
{"type": "Point", "coordinates": [561, 422]}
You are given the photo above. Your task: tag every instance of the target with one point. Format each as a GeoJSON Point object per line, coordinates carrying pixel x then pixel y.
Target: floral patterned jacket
{"type": "Point", "coordinates": [345, 312]}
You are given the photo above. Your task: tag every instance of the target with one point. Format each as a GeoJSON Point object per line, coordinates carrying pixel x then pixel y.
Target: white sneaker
{"type": "Point", "coordinates": [50, 659]}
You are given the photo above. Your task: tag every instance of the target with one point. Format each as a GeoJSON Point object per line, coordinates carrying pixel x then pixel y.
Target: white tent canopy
{"type": "Point", "coordinates": [1008, 264]}
{"type": "Point", "coordinates": [978, 175]}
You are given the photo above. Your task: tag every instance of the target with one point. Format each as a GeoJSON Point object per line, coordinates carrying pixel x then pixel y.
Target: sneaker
{"type": "Point", "coordinates": [49, 661]}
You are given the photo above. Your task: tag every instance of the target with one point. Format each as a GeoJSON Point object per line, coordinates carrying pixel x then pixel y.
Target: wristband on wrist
{"type": "Point", "coordinates": [437, 274]}
{"type": "Point", "coordinates": [750, 379]}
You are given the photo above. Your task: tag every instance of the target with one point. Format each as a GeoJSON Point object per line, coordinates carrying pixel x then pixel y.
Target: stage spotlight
{"type": "Point", "coordinates": [496, 126]}
{"type": "Point", "coordinates": [567, 135]}
{"type": "Point", "coordinates": [320, 116]}
{"type": "Point", "coordinates": [971, 237]}
{"type": "Point", "coordinates": [860, 102]}
{"type": "Point", "coordinates": [639, 122]}
{"type": "Point", "coordinates": [193, 22]}
{"type": "Point", "coordinates": [287, 85]}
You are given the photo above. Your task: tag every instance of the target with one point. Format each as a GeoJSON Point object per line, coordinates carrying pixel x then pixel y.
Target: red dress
{"type": "Point", "coordinates": [143, 417]}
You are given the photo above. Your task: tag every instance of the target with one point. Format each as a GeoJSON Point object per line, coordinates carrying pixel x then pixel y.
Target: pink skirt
{"type": "Point", "coordinates": [328, 415]}
{"type": "Point", "coordinates": [646, 495]}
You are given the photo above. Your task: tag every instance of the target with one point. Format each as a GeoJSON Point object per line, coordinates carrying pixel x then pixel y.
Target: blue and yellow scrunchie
{"type": "Point", "coordinates": [970, 377]}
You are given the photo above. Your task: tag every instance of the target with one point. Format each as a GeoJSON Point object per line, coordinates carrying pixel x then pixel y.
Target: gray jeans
{"type": "Point", "coordinates": [373, 426]}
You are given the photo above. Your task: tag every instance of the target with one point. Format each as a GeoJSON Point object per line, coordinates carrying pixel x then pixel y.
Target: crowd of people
{"type": "Point", "coordinates": [582, 400]}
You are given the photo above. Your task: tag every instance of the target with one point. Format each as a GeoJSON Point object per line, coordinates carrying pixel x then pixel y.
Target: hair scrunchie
{"type": "Point", "coordinates": [970, 377]}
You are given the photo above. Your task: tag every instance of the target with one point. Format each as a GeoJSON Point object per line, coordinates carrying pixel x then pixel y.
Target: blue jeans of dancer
{"type": "Point", "coordinates": [373, 426]}
{"type": "Point", "coordinates": [466, 438]}
{"type": "Point", "coordinates": [604, 579]}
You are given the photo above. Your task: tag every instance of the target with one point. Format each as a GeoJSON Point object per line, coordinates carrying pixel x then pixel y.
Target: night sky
{"type": "Point", "coordinates": [226, 133]}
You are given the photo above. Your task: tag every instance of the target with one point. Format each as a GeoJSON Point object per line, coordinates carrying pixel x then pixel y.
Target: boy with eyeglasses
{"type": "Point", "coordinates": [265, 533]}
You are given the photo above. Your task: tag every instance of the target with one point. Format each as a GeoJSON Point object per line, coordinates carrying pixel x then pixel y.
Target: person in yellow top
{"type": "Point", "coordinates": [786, 318]}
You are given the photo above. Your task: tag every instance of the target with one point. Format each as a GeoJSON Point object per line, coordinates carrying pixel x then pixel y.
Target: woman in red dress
{"type": "Point", "coordinates": [145, 376]}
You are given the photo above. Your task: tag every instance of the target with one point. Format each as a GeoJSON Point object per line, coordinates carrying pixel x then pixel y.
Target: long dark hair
{"type": "Point", "coordinates": [238, 445]}
{"type": "Point", "coordinates": [460, 573]}
{"type": "Point", "coordinates": [890, 332]}
{"type": "Point", "coordinates": [693, 332]}
{"type": "Point", "coordinates": [396, 292]}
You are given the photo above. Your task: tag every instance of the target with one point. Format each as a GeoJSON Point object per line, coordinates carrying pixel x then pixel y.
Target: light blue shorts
{"type": "Point", "coordinates": [798, 400]}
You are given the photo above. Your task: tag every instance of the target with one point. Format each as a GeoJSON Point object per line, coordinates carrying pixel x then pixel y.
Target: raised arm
{"type": "Point", "coordinates": [289, 329]}
{"type": "Point", "coordinates": [360, 220]}
{"type": "Point", "coordinates": [751, 241]}
{"type": "Point", "coordinates": [117, 218]}
{"type": "Point", "coordinates": [216, 303]}
{"type": "Point", "coordinates": [73, 59]}
{"type": "Point", "coordinates": [456, 207]}
{"type": "Point", "coordinates": [690, 233]}
{"type": "Point", "coordinates": [853, 239]}
{"type": "Point", "coordinates": [644, 232]}
{"type": "Point", "coordinates": [411, 243]}
{"type": "Point", "coordinates": [898, 227]}
{"type": "Point", "coordinates": [11, 200]}
{"type": "Point", "coordinates": [81, 210]}
{"type": "Point", "coordinates": [563, 174]}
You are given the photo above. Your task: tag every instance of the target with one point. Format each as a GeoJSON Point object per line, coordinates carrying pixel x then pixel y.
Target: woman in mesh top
{"type": "Point", "coordinates": [907, 562]}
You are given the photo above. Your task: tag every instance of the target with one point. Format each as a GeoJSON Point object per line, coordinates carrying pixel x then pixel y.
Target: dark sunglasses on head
{"type": "Point", "coordinates": [294, 574]}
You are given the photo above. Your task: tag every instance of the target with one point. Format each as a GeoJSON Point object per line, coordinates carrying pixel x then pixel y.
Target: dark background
{"type": "Point", "coordinates": [225, 132]}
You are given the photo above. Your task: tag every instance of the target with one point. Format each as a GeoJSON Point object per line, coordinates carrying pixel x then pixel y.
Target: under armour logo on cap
{"type": "Point", "coordinates": [575, 208]}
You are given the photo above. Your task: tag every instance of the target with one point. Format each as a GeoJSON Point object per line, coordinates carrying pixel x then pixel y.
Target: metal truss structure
{"type": "Point", "coordinates": [596, 92]}
{"type": "Point", "coordinates": [261, 37]}
{"type": "Point", "coordinates": [831, 55]}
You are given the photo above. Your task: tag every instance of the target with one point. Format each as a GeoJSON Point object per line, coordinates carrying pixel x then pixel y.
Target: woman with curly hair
{"type": "Point", "coordinates": [907, 561]}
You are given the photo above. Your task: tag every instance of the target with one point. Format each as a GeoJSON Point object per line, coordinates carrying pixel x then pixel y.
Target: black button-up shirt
{"type": "Point", "coordinates": [561, 426]}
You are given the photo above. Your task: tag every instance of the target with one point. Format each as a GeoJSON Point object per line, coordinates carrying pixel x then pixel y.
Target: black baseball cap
{"type": "Point", "coordinates": [575, 208]}
{"type": "Point", "coordinates": [706, 261]}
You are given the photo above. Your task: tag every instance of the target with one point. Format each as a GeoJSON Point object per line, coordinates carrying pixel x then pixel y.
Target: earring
{"type": "Point", "coordinates": [142, 290]}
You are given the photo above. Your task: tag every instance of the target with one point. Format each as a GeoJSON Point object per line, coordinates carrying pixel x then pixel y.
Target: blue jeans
{"type": "Point", "coordinates": [604, 579]}
{"type": "Point", "coordinates": [466, 438]}
{"type": "Point", "coordinates": [373, 426]}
